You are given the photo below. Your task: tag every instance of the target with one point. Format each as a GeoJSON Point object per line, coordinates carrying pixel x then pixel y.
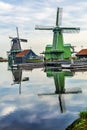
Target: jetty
{"type": "Point", "coordinates": [62, 64]}
{"type": "Point", "coordinates": [29, 66]}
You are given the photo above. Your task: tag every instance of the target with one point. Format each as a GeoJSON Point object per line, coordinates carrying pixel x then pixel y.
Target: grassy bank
{"type": "Point", "coordinates": [79, 124]}
{"type": "Point", "coordinates": [34, 60]}
{"type": "Point", "coordinates": [3, 59]}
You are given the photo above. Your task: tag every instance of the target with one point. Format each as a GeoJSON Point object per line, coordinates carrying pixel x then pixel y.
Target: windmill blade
{"type": "Point", "coordinates": [70, 30]}
{"type": "Point", "coordinates": [73, 92]}
{"type": "Point", "coordinates": [59, 17]}
{"type": "Point", "coordinates": [66, 92]}
{"type": "Point", "coordinates": [40, 27]}
{"type": "Point", "coordinates": [17, 32]}
{"type": "Point", "coordinates": [13, 37]}
{"type": "Point", "coordinates": [69, 91]}
{"type": "Point", "coordinates": [61, 103]}
{"type": "Point", "coordinates": [10, 37]}
{"type": "Point", "coordinates": [23, 40]}
{"type": "Point", "coordinates": [47, 94]}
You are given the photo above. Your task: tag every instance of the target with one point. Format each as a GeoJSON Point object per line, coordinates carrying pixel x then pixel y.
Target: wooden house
{"type": "Point", "coordinates": [24, 55]}
{"type": "Point", "coordinates": [82, 54]}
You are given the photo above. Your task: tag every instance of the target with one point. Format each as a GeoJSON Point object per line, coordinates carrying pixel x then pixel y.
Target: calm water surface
{"type": "Point", "coordinates": [47, 101]}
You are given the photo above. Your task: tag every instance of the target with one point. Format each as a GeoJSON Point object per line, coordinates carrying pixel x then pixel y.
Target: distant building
{"type": "Point", "coordinates": [23, 56]}
{"type": "Point", "coordinates": [82, 53]}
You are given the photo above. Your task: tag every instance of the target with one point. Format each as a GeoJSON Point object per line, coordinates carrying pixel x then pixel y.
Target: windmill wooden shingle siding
{"type": "Point", "coordinates": [24, 55]}
{"type": "Point", "coordinates": [15, 48]}
{"type": "Point", "coordinates": [16, 44]}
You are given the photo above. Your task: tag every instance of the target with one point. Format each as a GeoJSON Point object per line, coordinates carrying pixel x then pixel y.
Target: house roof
{"type": "Point", "coordinates": [82, 52]}
{"type": "Point", "coordinates": [23, 53]}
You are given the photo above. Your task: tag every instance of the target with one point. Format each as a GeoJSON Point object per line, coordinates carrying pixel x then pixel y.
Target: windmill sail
{"type": "Point", "coordinates": [40, 27]}
{"type": "Point", "coordinates": [58, 23]}
{"type": "Point", "coordinates": [57, 49]}
{"type": "Point", "coordinates": [23, 40]}
{"type": "Point", "coordinates": [17, 32]}
{"type": "Point", "coordinates": [17, 38]}
{"type": "Point", "coordinates": [70, 29]}
{"type": "Point", "coordinates": [59, 16]}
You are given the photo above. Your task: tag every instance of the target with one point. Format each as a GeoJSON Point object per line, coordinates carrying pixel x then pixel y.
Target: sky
{"type": "Point", "coordinates": [26, 14]}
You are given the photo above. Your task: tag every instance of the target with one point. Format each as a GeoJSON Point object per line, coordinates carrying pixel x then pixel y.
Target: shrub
{"type": "Point", "coordinates": [83, 114]}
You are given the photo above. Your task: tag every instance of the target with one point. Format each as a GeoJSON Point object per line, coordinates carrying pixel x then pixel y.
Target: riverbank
{"type": "Point", "coordinates": [3, 59]}
{"type": "Point", "coordinates": [63, 64]}
{"type": "Point", "coordinates": [79, 124]}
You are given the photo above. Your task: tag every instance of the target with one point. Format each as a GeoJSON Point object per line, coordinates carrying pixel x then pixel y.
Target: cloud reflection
{"type": "Point", "coordinates": [7, 110]}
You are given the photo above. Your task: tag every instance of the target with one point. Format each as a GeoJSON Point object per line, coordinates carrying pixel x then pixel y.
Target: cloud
{"type": "Point", "coordinates": [7, 110]}
{"type": "Point", "coordinates": [5, 6]}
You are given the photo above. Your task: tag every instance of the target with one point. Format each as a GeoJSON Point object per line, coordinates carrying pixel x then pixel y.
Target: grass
{"type": "Point", "coordinates": [3, 59]}
{"type": "Point", "coordinates": [79, 124]}
{"type": "Point", "coordinates": [34, 60]}
{"type": "Point", "coordinates": [83, 114]}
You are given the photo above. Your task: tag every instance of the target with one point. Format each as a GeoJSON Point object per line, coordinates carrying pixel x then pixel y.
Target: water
{"type": "Point", "coordinates": [49, 100]}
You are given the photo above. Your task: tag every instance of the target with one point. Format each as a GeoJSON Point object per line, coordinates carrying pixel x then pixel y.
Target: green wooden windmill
{"type": "Point", "coordinates": [58, 50]}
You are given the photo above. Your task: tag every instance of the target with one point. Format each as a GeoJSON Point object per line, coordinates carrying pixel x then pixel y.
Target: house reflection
{"type": "Point", "coordinates": [17, 77]}
{"type": "Point", "coordinates": [59, 81]}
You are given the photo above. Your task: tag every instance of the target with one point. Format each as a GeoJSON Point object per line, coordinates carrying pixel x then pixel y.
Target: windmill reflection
{"type": "Point", "coordinates": [59, 81]}
{"type": "Point", "coordinates": [17, 77]}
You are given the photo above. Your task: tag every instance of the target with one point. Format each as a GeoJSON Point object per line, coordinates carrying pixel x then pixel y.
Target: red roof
{"type": "Point", "coordinates": [21, 54]}
{"type": "Point", "coordinates": [82, 52]}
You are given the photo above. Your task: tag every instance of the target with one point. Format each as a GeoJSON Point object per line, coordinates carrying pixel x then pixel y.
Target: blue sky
{"type": "Point", "coordinates": [25, 14]}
